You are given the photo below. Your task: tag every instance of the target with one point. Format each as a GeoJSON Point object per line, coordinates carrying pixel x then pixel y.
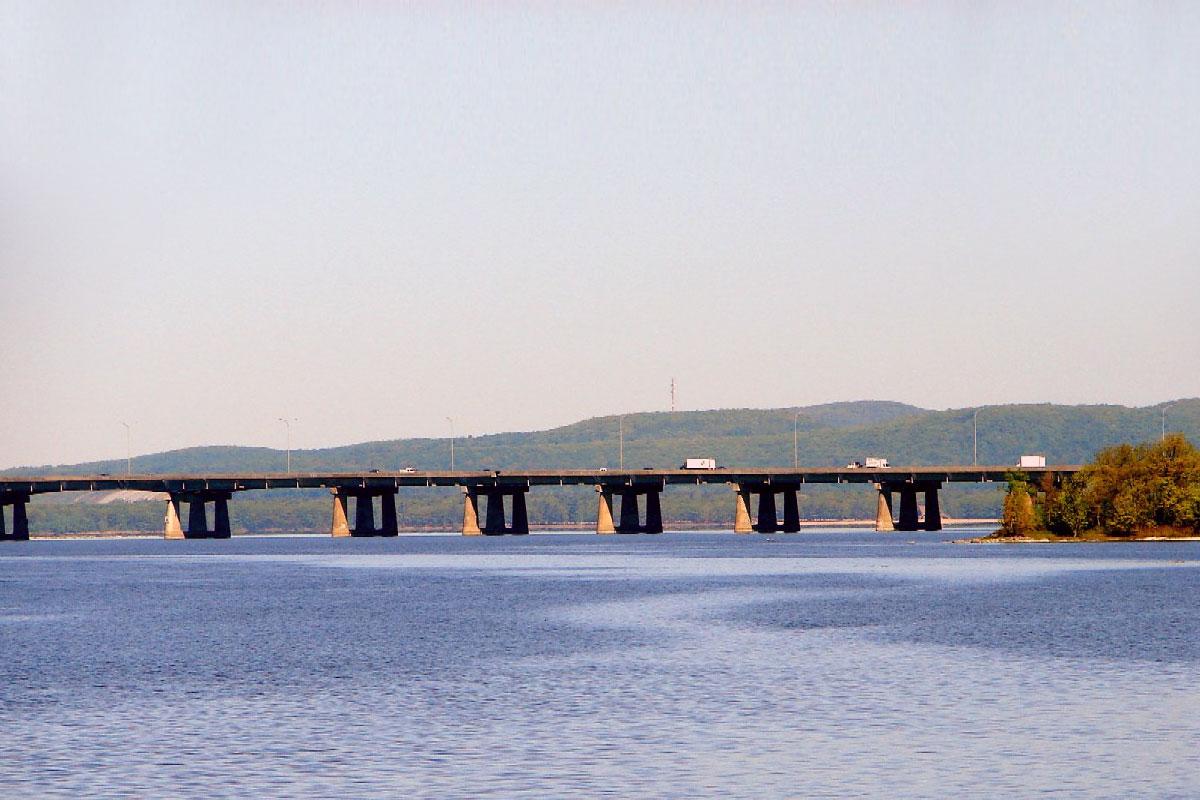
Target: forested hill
{"type": "Point", "coordinates": [829, 435]}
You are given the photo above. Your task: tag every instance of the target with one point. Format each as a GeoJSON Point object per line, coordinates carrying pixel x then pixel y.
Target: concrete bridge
{"type": "Point", "coordinates": [638, 492]}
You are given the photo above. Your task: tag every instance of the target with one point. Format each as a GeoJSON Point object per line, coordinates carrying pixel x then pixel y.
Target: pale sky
{"type": "Point", "coordinates": [373, 217]}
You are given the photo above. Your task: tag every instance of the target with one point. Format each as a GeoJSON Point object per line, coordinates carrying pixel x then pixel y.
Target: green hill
{"type": "Point", "coordinates": [830, 434]}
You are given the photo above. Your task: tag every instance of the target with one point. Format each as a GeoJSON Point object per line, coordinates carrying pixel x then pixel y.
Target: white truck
{"type": "Point", "coordinates": [699, 463]}
{"type": "Point", "coordinates": [870, 462]}
{"type": "Point", "coordinates": [1032, 461]}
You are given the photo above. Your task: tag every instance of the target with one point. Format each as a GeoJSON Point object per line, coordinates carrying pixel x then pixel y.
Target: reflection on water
{"type": "Point", "coordinates": [819, 664]}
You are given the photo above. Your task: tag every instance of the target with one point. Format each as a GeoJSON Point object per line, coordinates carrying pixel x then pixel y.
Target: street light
{"type": "Point", "coordinates": [975, 439]}
{"type": "Point", "coordinates": [287, 423]}
{"type": "Point", "coordinates": [796, 441]}
{"type": "Point", "coordinates": [128, 452]}
{"type": "Point", "coordinates": [451, 421]}
{"type": "Point", "coordinates": [621, 440]}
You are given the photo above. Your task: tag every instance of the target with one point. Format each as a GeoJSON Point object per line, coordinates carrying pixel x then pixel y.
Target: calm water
{"type": "Point", "coordinates": [821, 664]}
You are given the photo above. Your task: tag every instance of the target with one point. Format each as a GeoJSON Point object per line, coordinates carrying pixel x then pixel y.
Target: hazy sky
{"type": "Point", "coordinates": [518, 215]}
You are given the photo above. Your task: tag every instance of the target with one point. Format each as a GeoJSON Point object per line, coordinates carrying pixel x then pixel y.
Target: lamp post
{"type": "Point", "coordinates": [451, 421]}
{"type": "Point", "coordinates": [128, 451]}
{"type": "Point", "coordinates": [796, 441]}
{"type": "Point", "coordinates": [621, 440]}
{"type": "Point", "coordinates": [287, 423]}
{"type": "Point", "coordinates": [975, 439]}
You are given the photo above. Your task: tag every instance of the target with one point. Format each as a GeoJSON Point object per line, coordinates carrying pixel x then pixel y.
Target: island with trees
{"type": "Point", "coordinates": [1147, 491]}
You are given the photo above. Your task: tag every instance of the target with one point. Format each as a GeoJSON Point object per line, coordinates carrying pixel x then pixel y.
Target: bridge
{"type": "Point", "coordinates": [638, 493]}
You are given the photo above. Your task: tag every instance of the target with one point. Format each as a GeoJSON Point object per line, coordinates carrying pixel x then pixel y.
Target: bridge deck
{"type": "Point", "coordinates": [234, 482]}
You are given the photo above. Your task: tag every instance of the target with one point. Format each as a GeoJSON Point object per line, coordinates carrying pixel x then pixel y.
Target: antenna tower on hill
{"type": "Point", "coordinates": [672, 395]}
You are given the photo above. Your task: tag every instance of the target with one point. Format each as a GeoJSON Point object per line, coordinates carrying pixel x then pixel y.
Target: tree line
{"type": "Point", "coordinates": [1150, 489]}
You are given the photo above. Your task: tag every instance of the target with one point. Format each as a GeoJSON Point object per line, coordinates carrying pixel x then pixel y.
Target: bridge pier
{"type": "Point", "coordinates": [494, 517]}
{"type": "Point", "coordinates": [631, 517]}
{"type": "Point", "coordinates": [910, 519]}
{"type": "Point", "coordinates": [604, 511]}
{"type": "Point", "coordinates": [470, 526]}
{"type": "Point", "coordinates": [198, 515]}
{"type": "Point", "coordinates": [768, 518]}
{"type": "Point", "coordinates": [883, 509]}
{"type": "Point", "coordinates": [741, 510]}
{"type": "Point", "coordinates": [364, 512]}
{"type": "Point", "coordinates": [20, 519]}
{"type": "Point", "coordinates": [933, 508]}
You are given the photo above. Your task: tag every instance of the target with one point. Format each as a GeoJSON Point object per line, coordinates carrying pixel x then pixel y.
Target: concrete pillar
{"type": "Point", "coordinates": [197, 518]}
{"type": "Point", "coordinates": [494, 524]}
{"type": "Point", "coordinates": [470, 526]}
{"type": "Point", "coordinates": [791, 510]}
{"type": "Point", "coordinates": [604, 517]}
{"type": "Point", "coordinates": [768, 521]}
{"type": "Point", "coordinates": [341, 524]}
{"type": "Point", "coordinates": [630, 518]}
{"type": "Point", "coordinates": [389, 525]}
{"type": "Point", "coordinates": [364, 515]}
{"type": "Point", "coordinates": [221, 529]}
{"type": "Point", "coordinates": [20, 531]}
{"type": "Point", "coordinates": [909, 520]}
{"type": "Point", "coordinates": [172, 529]}
{"type": "Point", "coordinates": [520, 516]}
{"type": "Point", "coordinates": [741, 511]}
{"type": "Point", "coordinates": [933, 509]}
{"type": "Point", "coordinates": [654, 523]}
{"type": "Point", "coordinates": [883, 509]}
{"type": "Point", "coordinates": [20, 521]}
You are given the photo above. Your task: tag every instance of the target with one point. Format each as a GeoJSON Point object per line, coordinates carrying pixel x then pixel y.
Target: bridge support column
{"type": "Point", "coordinates": [494, 523]}
{"type": "Point", "coordinates": [364, 515]}
{"type": "Point", "coordinates": [631, 518]}
{"type": "Point", "coordinates": [909, 519]}
{"type": "Point", "coordinates": [197, 519]}
{"type": "Point", "coordinates": [221, 529]}
{"type": "Point", "coordinates": [604, 515]}
{"type": "Point", "coordinates": [791, 510]}
{"type": "Point", "coordinates": [933, 508]}
{"type": "Point", "coordinates": [470, 526]}
{"type": "Point", "coordinates": [631, 521]}
{"type": "Point", "coordinates": [172, 527]}
{"type": "Point", "coordinates": [197, 527]}
{"type": "Point", "coordinates": [520, 516]}
{"type": "Point", "coordinates": [768, 521]}
{"type": "Point", "coordinates": [364, 512]}
{"type": "Point", "coordinates": [741, 510]}
{"type": "Point", "coordinates": [883, 509]}
{"type": "Point", "coordinates": [20, 519]}
{"type": "Point", "coordinates": [389, 524]}
{"type": "Point", "coordinates": [340, 527]}
{"type": "Point", "coordinates": [654, 521]}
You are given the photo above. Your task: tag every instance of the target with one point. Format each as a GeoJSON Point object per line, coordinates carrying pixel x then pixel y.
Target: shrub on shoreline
{"type": "Point", "coordinates": [1145, 490]}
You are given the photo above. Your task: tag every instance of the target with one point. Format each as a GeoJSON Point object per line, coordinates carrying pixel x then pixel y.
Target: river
{"type": "Point", "coordinates": [820, 664]}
